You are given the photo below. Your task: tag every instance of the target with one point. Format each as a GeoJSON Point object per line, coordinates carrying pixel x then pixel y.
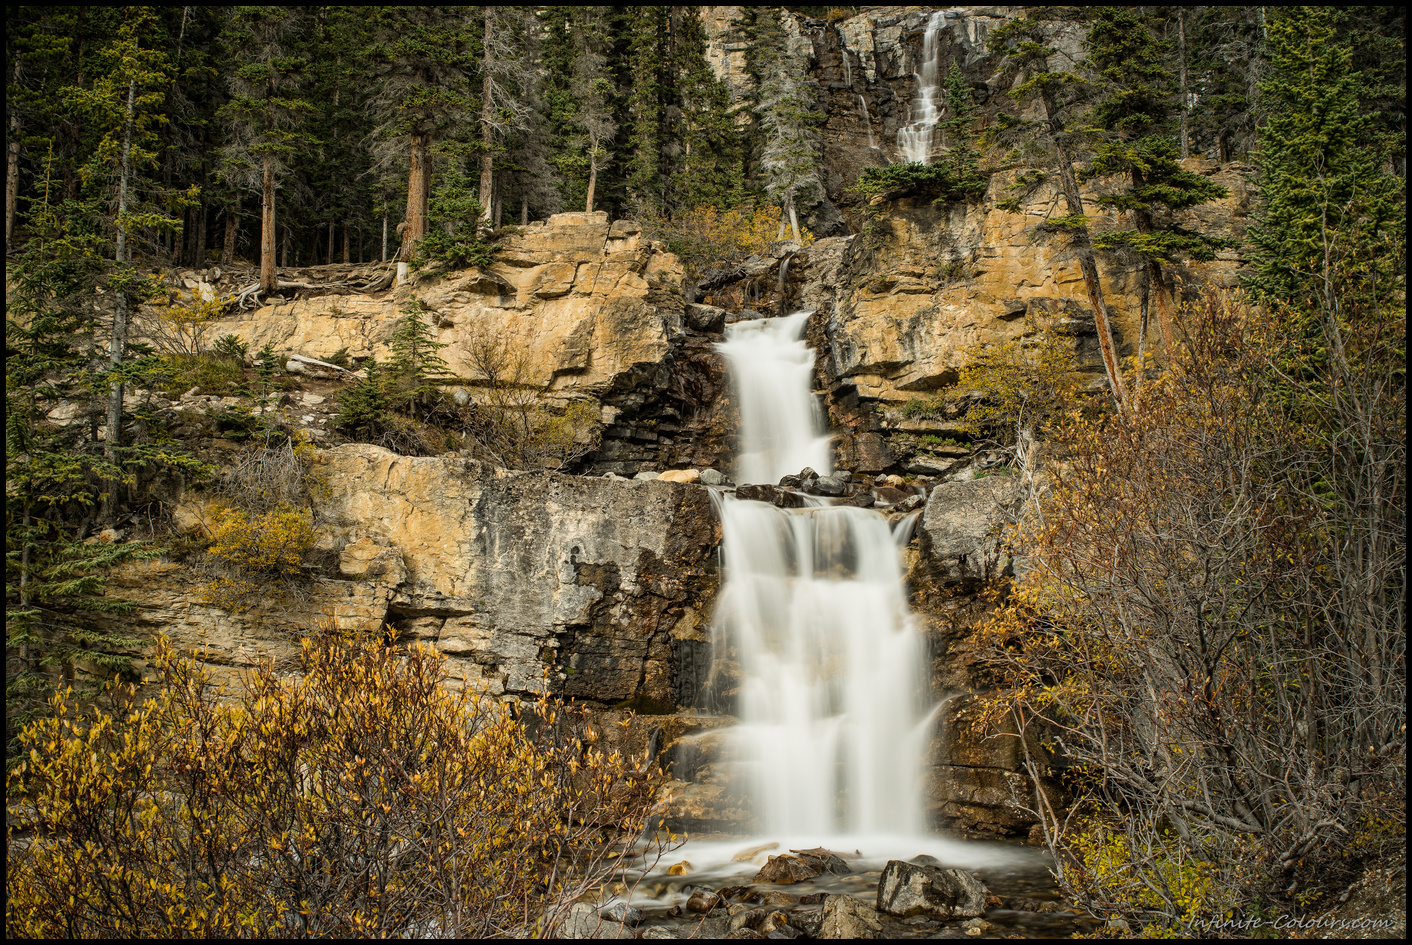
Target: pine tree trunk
{"type": "Point", "coordinates": [1069, 185]}
{"type": "Point", "coordinates": [524, 211]}
{"type": "Point", "coordinates": [592, 182]}
{"type": "Point", "coordinates": [12, 167]}
{"type": "Point", "coordinates": [384, 234]}
{"type": "Point", "coordinates": [228, 246]}
{"type": "Point", "coordinates": [269, 282]}
{"type": "Point", "coordinates": [487, 114]}
{"type": "Point", "coordinates": [200, 248]}
{"type": "Point", "coordinates": [345, 242]}
{"type": "Point", "coordinates": [330, 242]}
{"type": "Point", "coordinates": [794, 221]}
{"type": "Point", "coordinates": [416, 226]}
{"type": "Point", "coordinates": [118, 344]}
{"type": "Point", "coordinates": [1143, 220]}
{"type": "Point", "coordinates": [1181, 77]}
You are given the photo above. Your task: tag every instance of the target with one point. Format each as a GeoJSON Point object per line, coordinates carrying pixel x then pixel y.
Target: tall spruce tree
{"type": "Point", "coordinates": [787, 124]}
{"type": "Point", "coordinates": [55, 609]}
{"type": "Point", "coordinates": [959, 131]}
{"type": "Point", "coordinates": [423, 64]}
{"type": "Point", "coordinates": [1058, 135]}
{"type": "Point", "coordinates": [267, 113]}
{"type": "Point", "coordinates": [705, 169]}
{"type": "Point", "coordinates": [1324, 187]}
{"type": "Point", "coordinates": [1133, 139]}
{"type": "Point", "coordinates": [593, 121]}
{"type": "Point", "coordinates": [645, 30]}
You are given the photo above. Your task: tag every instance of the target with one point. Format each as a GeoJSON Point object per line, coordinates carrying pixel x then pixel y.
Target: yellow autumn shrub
{"type": "Point", "coordinates": [361, 798]}
{"type": "Point", "coordinates": [257, 555]}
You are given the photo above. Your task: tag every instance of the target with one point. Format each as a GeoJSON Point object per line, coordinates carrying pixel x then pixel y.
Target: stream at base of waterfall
{"type": "Point", "coordinates": [833, 705]}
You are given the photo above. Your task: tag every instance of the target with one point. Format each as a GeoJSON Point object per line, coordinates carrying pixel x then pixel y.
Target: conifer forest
{"type": "Point", "coordinates": [521, 471]}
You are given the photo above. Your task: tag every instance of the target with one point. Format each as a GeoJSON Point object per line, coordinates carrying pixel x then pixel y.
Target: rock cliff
{"type": "Point", "coordinates": [602, 589]}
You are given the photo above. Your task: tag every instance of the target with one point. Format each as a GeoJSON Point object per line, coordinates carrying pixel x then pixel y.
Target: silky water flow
{"type": "Point", "coordinates": [833, 717]}
{"type": "Point", "coordinates": [830, 698]}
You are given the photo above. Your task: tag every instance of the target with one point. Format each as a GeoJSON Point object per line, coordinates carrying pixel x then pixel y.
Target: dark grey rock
{"type": "Point", "coordinates": [960, 530]}
{"type": "Point", "coordinates": [909, 889]}
{"type": "Point", "coordinates": [827, 485]}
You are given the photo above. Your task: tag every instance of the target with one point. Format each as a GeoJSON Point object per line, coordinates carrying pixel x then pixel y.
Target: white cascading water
{"type": "Point", "coordinates": [867, 123]}
{"type": "Point", "coordinates": [914, 139]}
{"type": "Point", "coordinates": [832, 727]}
{"type": "Point", "coordinates": [779, 419]}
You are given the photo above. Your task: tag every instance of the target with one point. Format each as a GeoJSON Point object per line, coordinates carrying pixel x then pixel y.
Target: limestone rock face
{"type": "Point", "coordinates": [594, 586]}
{"type": "Point", "coordinates": [588, 579]}
{"type": "Point", "coordinates": [581, 300]}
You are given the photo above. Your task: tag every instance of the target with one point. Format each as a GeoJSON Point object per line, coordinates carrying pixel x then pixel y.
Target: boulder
{"type": "Point", "coordinates": [622, 912]}
{"type": "Point", "coordinates": [702, 902]}
{"type": "Point", "coordinates": [960, 529]}
{"type": "Point", "coordinates": [785, 869]}
{"type": "Point", "coordinates": [908, 889]}
{"type": "Point", "coordinates": [759, 492]}
{"type": "Point", "coordinates": [705, 318]}
{"type": "Point", "coordinates": [827, 486]}
{"type": "Point", "coordinates": [681, 475]}
{"type": "Point", "coordinates": [846, 917]}
{"type": "Point", "coordinates": [830, 861]}
{"type": "Point", "coordinates": [892, 496]}
{"type": "Point", "coordinates": [712, 477]}
{"type": "Point", "coordinates": [583, 921]}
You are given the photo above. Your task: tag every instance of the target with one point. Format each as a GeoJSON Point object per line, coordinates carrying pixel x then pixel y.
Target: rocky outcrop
{"type": "Point", "coordinates": [574, 307]}
{"type": "Point", "coordinates": [595, 587]}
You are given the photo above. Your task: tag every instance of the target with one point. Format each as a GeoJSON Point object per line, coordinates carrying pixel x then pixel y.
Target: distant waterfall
{"type": "Point", "coordinates": [867, 122]}
{"type": "Point", "coordinates": [832, 725]}
{"type": "Point", "coordinates": [914, 140]}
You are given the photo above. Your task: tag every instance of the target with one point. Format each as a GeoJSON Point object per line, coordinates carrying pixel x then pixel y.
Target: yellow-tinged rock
{"type": "Point", "coordinates": [681, 475]}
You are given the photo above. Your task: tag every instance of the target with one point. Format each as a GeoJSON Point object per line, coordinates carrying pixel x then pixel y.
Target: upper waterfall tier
{"type": "Point", "coordinates": [781, 426]}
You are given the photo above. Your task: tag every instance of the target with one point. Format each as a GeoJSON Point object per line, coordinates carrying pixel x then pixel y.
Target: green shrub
{"type": "Point", "coordinates": [213, 373]}
{"type": "Point", "coordinates": [360, 797]}
{"type": "Point", "coordinates": [231, 348]}
{"type": "Point", "coordinates": [920, 180]}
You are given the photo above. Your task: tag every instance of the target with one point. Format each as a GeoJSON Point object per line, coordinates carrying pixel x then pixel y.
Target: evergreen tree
{"type": "Point", "coordinates": [453, 218]}
{"type": "Point", "coordinates": [789, 149]}
{"type": "Point", "coordinates": [124, 105]}
{"type": "Point", "coordinates": [959, 127]}
{"type": "Point", "coordinates": [1324, 192]}
{"type": "Point", "coordinates": [363, 408]}
{"type": "Point", "coordinates": [423, 61]}
{"type": "Point", "coordinates": [705, 172]}
{"type": "Point", "coordinates": [266, 114]}
{"type": "Point", "coordinates": [1133, 119]}
{"type": "Point", "coordinates": [415, 366]}
{"type": "Point", "coordinates": [1056, 136]}
{"type": "Point", "coordinates": [506, 81]}
{"type": "Point", "coordinates": [592, 119]}
{"type": "Point", "coordinates": [645, 30]}
{"type": "Point", "coordinates": [55, 608]}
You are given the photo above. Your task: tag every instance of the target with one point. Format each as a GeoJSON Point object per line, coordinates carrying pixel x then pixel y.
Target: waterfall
{"type": "Point", "coordinates": [914, 140]}
{"type": "Point", "coordinates": [780, 422]}
{"type": "Point", "coordinates": [832, 723]}
{"type": "Point", "coordinates": [867, 122]}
